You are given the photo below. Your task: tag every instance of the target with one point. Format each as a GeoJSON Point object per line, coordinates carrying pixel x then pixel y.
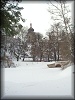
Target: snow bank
{"type": "Point", "coordinates": [35, 79]}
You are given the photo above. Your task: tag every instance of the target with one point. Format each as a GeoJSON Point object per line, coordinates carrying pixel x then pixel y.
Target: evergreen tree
{"type": "Point", "coordinates": [10, 17]}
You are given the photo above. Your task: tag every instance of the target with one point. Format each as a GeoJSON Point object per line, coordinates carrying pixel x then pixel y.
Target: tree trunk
{"type": "Point", "coordinates": [48, 58]}
{"type": "Point", "coordinates": [41, 57]}
{"type": "Point", "coordinates": [33, 58]}
{"type": "Point", "coordinates": [24, 57]}
{"type": "Point", "coordinates": [54, 54]}
{"type": "Point", "coordinates": [58, 51]}
{"type": "Point", "coordinates": [17, 58]}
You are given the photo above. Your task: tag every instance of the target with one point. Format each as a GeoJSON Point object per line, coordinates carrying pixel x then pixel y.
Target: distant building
{"type": "Point", "coordinates": [31, 34]}
{"type": "Point", "coordinates": [30, 29]}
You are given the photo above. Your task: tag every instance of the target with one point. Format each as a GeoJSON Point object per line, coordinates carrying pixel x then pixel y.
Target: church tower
{"type": "Point", "coordinates": [31, 25]}
{"type": "Point", "coordinates": [30, 29]}
{"type": "Point", "coordinates": [31, 34]}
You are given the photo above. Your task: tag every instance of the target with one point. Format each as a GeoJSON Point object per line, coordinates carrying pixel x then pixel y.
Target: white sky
{"type": "Point", "coordinates": [37, 14]}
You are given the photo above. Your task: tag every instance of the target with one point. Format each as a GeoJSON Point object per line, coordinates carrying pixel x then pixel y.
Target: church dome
{"type": "Point", "coordinates": [30, 29]}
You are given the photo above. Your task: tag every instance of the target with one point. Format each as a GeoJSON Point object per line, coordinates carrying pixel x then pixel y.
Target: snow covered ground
{"type": "Point", "coordinates": [36, 80]}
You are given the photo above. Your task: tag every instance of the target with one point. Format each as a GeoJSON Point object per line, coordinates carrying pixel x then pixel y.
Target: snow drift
{"type": "Point", "coordinates": [36, 80]}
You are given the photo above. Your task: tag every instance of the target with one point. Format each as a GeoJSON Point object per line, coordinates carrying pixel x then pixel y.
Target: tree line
{"type": "Point", "coordinates": [58, 43]}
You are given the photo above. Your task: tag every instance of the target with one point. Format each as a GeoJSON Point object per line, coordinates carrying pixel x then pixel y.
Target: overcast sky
{"type": "Point", "coordinates": [37, 14]}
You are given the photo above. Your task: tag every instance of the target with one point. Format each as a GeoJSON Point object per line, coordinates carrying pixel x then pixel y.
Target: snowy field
{"type": "Point", "coordinates": [36, 80]}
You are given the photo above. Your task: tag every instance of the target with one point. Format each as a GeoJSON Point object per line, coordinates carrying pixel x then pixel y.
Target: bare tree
{"type": "Point", "coordinates": [60, 13]}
